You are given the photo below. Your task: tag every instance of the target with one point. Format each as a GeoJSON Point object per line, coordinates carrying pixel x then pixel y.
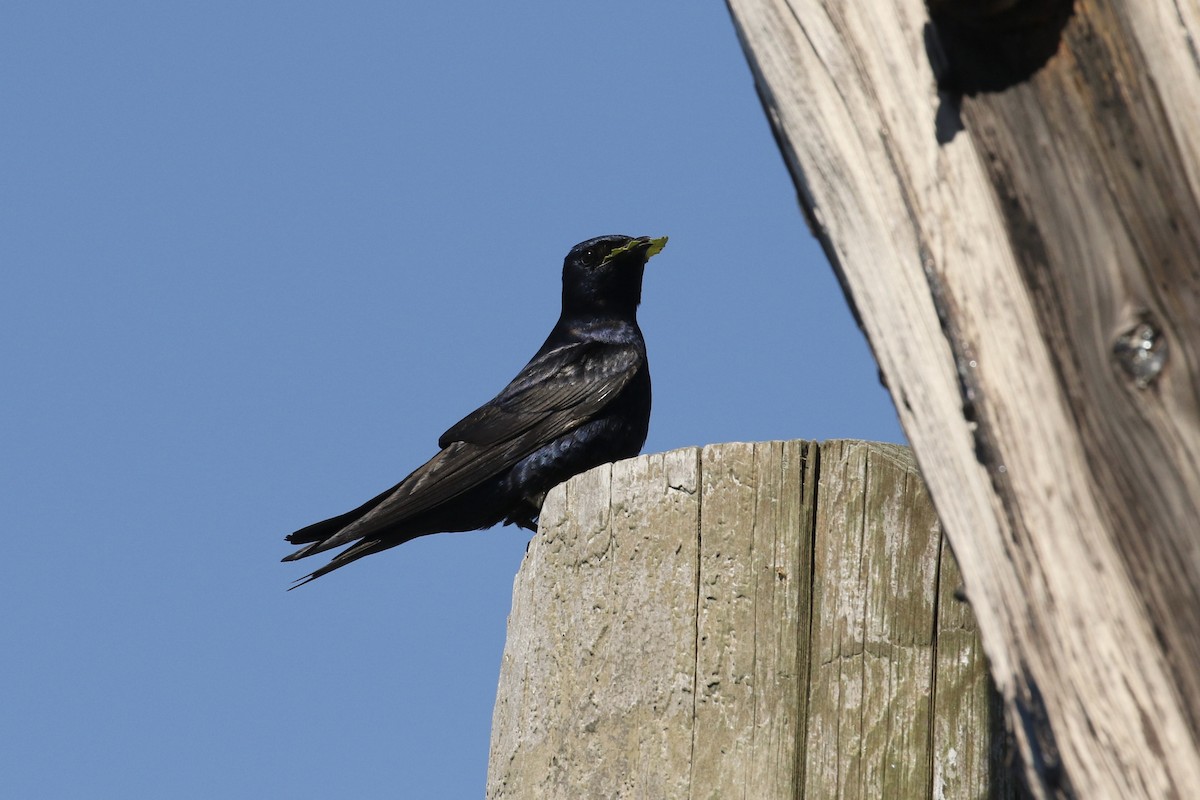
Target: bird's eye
{"type": "Point", "coordinates": [591, 257]}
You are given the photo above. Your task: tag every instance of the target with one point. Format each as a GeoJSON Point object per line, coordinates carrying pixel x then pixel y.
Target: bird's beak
{"type": "Point", "coordinates": [650, 246]}
{"type": "Point", "coordinates": [653, 246]}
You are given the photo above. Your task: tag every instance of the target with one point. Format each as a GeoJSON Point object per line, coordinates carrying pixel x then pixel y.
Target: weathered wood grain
{"type": "Point", "coordinates": [747, 620]}
{"type": "Point", "coordinates": [999, 250]}
{"type": "Point", "coordinates": [598, 675]}
{"type": "Point", "coordinates": [979, 767]}
{"type": "Point", "coordinates": [752, 618]}
{"type": "Point", "coordinates": [874, 619]}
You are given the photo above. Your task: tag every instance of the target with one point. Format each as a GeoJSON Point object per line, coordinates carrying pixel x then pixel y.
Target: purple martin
{"type": "Point", "coordinates": [582, 400]}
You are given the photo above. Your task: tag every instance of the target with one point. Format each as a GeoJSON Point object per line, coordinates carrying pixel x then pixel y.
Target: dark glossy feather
{"type": "Point", "coordinates": [579, 378]}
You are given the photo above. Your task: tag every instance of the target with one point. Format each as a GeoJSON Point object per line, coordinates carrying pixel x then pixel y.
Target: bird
{"type": "Point", "coordinates": [583, 400]}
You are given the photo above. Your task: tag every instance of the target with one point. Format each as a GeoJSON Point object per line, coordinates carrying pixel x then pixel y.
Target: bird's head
{"type": "Point", "coordinates": [603, 276]}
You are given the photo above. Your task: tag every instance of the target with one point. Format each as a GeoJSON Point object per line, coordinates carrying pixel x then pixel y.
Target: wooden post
{"type": "Point", "coordinates": [1009, 192]}
{"type": "Point", "coordinates": [772, 620]}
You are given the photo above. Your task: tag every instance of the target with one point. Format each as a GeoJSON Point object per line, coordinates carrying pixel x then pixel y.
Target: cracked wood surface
{"type": "Point", "coordinates": [769, 620]}
{"type": "Point", "coordinates": [1000, 249]}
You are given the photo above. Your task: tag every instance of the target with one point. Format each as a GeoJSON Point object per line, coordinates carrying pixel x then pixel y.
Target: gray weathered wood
{"type": "Point", "coordinates": [598, 675]}
{"type": "Point", "coordinates": [874, 617]}
{"type": "Point", "coordinates": [763, 620]}
{"type": "Point", "coordinates": [1006, 251]}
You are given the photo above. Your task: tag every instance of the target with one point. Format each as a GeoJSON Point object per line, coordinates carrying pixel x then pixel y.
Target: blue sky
{"type": "Point", "coordinates": [257, 257]}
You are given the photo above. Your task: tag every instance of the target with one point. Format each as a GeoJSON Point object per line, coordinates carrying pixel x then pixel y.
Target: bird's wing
{"type": "Point", "coordinates": [579, 378]}
{"type": "Point", "coordinates": [554, 394]}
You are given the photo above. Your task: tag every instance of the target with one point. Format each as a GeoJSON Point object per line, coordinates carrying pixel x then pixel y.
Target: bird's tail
{"type": "Point", "coordinates": [359, 550]}
{"type": "Point", "coordinates": [320, 531]}
{"type": "Point", "coordinates": [331, 533]}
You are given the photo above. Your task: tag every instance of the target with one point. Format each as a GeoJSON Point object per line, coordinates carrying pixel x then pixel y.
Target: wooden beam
{"type": "Point", "coordinates": [772, 621]}
{"type": "Point", "coordinates": [1020, 238]}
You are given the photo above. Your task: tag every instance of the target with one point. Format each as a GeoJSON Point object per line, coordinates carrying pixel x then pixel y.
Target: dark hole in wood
{"type": "Point", "coordinates": [989, 45]}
